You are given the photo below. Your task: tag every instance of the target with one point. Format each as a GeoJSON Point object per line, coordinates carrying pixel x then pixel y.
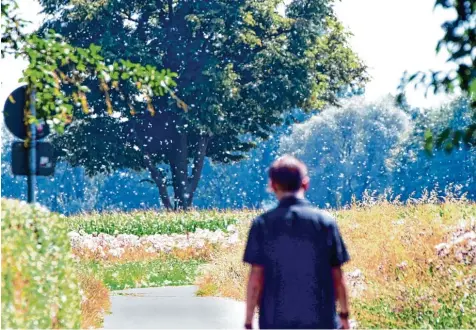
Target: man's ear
{"type": "Point", "coordinates": [273, 186]}
{"type": "Point", "coordinates": [269, 187]}
{"type": "Point", "coordinates": [305, 183]}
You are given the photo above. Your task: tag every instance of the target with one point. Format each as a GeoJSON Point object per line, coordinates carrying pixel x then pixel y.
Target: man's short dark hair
{"type": "Point", "coordinates": [288, 172]}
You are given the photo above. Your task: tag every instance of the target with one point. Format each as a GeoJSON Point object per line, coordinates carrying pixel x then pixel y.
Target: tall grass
{"type": "Point", "coordinates": [149, 273]}
{"type": "Point", "coordinates": [95, 301]}
{"type": "Point", "coordinates": [406, 284]}
{"type": "Point", "coordinates": [142, 223]}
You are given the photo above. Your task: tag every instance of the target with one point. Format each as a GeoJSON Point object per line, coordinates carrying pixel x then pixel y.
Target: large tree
{"type": "Point", "coordinates": [242, 65]}
{"type": "Point", "coordinates": [57, 71]}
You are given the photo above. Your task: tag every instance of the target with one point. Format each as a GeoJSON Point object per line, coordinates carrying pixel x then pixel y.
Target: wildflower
{"type": "Point", "coordinates": [403, 265]}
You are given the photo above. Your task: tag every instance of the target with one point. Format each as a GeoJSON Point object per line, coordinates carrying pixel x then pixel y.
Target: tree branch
{"type": "Point", "coordinates": [159, 180]}
{"type": "Point", "coordinates": [156, 174]}
{"type": "Point", "coordinates": [171, 10]}
{"type": "Point", "coordinates": [198, 163]}
{"type": "Point", "coordinates": [128, 16]}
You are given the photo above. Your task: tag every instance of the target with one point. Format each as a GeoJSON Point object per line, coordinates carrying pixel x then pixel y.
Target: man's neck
{"type": "Point", "coordinates": [298, 194]}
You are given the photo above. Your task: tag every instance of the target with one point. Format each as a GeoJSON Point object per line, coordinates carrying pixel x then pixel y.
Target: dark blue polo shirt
{"type": "Point", "coordinates": [297, 245]}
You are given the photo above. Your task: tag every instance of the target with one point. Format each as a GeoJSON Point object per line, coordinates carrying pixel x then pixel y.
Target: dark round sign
{"type": "Point", "coordinates": [14, 116]}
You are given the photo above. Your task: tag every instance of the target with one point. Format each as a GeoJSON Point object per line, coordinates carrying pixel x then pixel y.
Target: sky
{"type": "Point", "coordinates": [390, 36]}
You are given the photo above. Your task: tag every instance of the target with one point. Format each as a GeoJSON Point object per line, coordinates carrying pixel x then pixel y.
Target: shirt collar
{"type": "Point", "coordinates": [292, 200]}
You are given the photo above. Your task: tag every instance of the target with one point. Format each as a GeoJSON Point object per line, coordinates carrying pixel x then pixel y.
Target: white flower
{"type": "Point", "coordinates": [116, 252]}
{"type": "Point", "coordinates": [233, 239]}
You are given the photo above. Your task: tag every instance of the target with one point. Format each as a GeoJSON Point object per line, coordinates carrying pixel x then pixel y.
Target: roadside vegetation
{"type": "Point", "coordinates": [150, 223]}
{"type": "Point", "coordinates": [139, 274]}
{"type": "Point", "coordinates": [40, 287]}
{"type": "Point", "coordinates": [413, 264]}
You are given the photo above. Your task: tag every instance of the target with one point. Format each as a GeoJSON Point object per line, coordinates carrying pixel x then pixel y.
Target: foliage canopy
{"type": "Point", "coordinates": [459, 41]}
{"type": "Point", "coordinates": [241, 65]}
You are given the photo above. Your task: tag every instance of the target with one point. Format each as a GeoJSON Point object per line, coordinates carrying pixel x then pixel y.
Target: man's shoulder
{"type": "Point", "coordinates": [315, 213]}
{"type": "Point", "coordinates": [323, 217]}
{"type": "Point", "coordinates": [309, 212]}
{"type": "Point", "coordinates": [265, 215]}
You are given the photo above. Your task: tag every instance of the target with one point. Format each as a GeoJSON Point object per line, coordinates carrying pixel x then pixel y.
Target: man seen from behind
{"type": "Point", "coordinates": [296, 253]}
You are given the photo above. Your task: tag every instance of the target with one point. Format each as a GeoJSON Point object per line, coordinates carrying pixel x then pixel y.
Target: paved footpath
{"type": "Point", "coordinates": [172, 308]}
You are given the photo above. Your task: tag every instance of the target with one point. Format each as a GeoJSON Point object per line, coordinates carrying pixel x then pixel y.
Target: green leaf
{"type": "Point", "coordinates": [428, 135]}
{"type": "Point", "coordinates": [472, 89]}
{"type": "Point", "coordinates": [413, 76]}
{"type": "Point", "coordinates": [457, 136]}
{"type": "Point", "coordinates": [94, 48]}
{"type": "Point", "coordinates": [59, 129]}
{"type": "Point", "coordinates": [84, 89]}
{"type": "Point", "coordinates": [470, 133]}
{"type": "Point", "coordinates": [81, 67]}
{"type": "Point", "coordinates": [443, 137]}
{"type": "Point", "coordinates": [429, 147]}
{"type": "Point", "coordinates": [125, 76]}
{"type": "Point", "coordinates": [449, 147]}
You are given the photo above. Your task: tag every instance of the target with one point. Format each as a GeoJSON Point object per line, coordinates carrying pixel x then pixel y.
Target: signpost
{"type": "Point", "coordinates": [45, 161]}
{"type": "Point", "coordinates": [38, 157]}
{"type": "Point", "coordinates": [14, 115]}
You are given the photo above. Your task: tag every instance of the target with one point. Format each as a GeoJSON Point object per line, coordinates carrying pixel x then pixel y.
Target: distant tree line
{"type": "Point", "coordinates": [242, 69]}
{"type": "Point", "coordinates": [359, 147]}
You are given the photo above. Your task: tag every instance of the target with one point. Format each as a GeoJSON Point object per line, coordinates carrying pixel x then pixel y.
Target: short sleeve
{"type": "Point", "coordinates": [338, 250]}
{"type": "Point", "coordinates": [254, 246]}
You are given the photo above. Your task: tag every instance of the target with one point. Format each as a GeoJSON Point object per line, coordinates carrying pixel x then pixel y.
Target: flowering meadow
{"type": "Point", "coordinates": [412, 265]}
{"type": "Point", "coordinates": [128, 247]}
{"type": "Point", "coordinates": [146, 249]}
{"type": "Point", "coordinates": [40, 288]}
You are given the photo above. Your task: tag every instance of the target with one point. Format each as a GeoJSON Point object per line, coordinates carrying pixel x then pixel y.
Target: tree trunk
{"type": "Point", "coordinates": [198, 163]}
{"type": "Point", "coordinates": [179, 168]}
{"type": "Point", "coordinates": [160, 181]}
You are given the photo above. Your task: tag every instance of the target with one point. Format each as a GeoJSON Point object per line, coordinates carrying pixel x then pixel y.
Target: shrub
{"type": "Point", "coordinates": [39, 285]}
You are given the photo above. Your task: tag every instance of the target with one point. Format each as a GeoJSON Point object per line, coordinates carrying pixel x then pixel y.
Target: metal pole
{"type": "Point", "coordinates": [32, 152]}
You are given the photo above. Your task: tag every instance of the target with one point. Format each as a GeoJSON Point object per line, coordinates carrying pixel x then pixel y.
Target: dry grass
{"type": "Point", "coordinates": [95, 302]}
{"type": "Point", "coordinates": [394, 247]}
{"type": "Point", "coordinates": [141, 254]}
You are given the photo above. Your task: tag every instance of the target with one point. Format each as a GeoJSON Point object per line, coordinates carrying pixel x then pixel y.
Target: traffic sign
{"type": "Point", "coordinates": [14, 115]}
{"type": "Point", "coordinates": [45, 159]}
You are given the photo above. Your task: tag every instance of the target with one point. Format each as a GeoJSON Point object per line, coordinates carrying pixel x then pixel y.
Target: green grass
{"type": "Point", "coordinates": [447, 311]}
{"type": "Point", "coordinates": [150, 223]}
{"type": "Point", "coordinates": [144, 273]}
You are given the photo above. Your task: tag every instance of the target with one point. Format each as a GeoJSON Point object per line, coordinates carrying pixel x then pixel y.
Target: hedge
{"type": "Point", "coordinates": [39, 285]}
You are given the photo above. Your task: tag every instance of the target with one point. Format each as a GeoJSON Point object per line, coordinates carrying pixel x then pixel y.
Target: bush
{"type": "Point", "coordinates": [39, 285]}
